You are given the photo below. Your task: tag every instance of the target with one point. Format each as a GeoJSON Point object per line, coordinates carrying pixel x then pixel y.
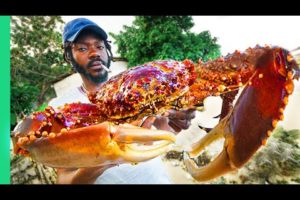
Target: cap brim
{"type": "Point", "coordinates": [95, 28]}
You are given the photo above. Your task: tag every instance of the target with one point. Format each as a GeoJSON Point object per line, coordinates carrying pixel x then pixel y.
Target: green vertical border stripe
{"type": "Point", "coordinates": [5, 100]}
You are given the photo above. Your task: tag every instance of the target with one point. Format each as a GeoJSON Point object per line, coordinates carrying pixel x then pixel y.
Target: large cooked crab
{"type": "Point", "coordinates": [88, 135]}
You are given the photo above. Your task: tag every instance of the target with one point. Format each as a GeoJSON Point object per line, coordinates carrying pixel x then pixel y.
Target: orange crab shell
{"type": "Point", "coordinates": [144, 89]}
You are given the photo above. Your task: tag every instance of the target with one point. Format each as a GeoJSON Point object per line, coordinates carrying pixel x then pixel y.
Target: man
{"type": "Point", "coordinates": [86, 48]}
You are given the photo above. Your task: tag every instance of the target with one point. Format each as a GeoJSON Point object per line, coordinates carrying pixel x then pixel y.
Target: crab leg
{"type": "Point", "coordinates": [128, 133]}
{"type": "Point", "coordinates": [134, 154]}
{"type": "Point", "coordinates": [253, 118]}
{"type": "Point", "coordinates": [209, 138]}
{"type": "Point", "coordinates": [97, 145]}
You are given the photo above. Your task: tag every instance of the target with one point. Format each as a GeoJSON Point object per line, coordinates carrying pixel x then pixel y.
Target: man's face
{"type": "Point", "coordinates": [88, 55]}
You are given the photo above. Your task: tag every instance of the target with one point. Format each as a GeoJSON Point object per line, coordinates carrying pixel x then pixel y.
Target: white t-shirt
{"type": "Point", "coordinates": [149, 172]}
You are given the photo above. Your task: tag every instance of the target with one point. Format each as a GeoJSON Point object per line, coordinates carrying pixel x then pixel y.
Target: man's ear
{"type": "Point", "coordinates": [67, 57]}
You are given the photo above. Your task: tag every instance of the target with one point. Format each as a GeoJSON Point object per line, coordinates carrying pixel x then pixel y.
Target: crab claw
{"type": "Point", "coordinates": [95, 145]}
{"type": "Point", "coordinates": [256, 113]}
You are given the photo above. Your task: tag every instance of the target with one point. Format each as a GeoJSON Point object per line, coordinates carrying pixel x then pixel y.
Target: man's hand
{"type": "Point", "coordinates": [180, 120]}
{"type": "Point", "coordinates": [173, 120]}
{"type": "Point", "coordinates": [80, 176]}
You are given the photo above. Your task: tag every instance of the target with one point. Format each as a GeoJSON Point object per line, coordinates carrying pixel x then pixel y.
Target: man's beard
{"type": "Point", "coordinates": [100, 78]}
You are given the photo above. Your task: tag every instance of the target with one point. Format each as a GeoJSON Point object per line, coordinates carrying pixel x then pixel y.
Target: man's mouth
{"type": "Point", "coordinates": [96, 65]}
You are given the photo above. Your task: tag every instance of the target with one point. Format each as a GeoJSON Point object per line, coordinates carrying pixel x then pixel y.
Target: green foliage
{"type": "Point", "coordinates": [164, 37]}
{"type": "Point", "coordinates": [291, 137]}
{"type": "Point", "coordinates": [21, 97]}
{"type": "Point", "coordinates": [42, 107]}
{"type": "Point", "coordinates": [36, 61]}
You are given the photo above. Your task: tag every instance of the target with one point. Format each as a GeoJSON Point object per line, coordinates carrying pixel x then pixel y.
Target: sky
{"type": "Point", "coordinates": [241, 32]}
{"type": "Point", "coordinates": [233, 32]}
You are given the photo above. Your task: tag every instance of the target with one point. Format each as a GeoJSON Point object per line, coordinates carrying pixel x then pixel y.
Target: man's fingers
{"type": "Point", "coordinates": [191, 113]}
{"type": "Point", "coordinates": [182, 124]}
{"type": "Point", "coordinates": [94, 171]}
{"type": "Point", "coordinates": [174, 114]}
{"type": "Point", "coordinates": [136, 122]}
{"type": "Point", "coordinates": [148, 122]}
{"type": "Point", "coordinates": [174, 127]}
{"type": "Point", "coordinates": [160, 123]}
{"type": "Point", "coordinates": [181, 115]}
{"type": "Point", "coordinates": [171, 120]}
{"type": "Point", "coordinates": [100, 170]}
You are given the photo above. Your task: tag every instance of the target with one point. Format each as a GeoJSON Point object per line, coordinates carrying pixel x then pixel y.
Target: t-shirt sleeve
{"type": "Point", "coordinates": [72, 96]}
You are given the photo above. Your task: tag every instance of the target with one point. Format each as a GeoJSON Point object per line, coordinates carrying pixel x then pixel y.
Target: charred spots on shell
{"type": "Point", "coordinates": [22, 140]}
{"type": "Point", "coordinates": [281, 117]}
{"type": "Point", "coordinates": [63, 130]}
{"type": "Point", "coordinates": [44, 133]}
{"type": "Point", "coordinates": [51, 135]}
{"type": "Point", "coordinates": [289, 86]}
{"type": "Point", "coordinates": [285, 100]}
{"type": "Point", "coordinates": [32, 137]}
{"type": "Point", "coordinates": [290, 75]}
{"type": "Point", "coordinates": [264, 141]}
{"type": "Point", "coordinates": [289, 58]}
{"type": "Point", "coordinates": [46, 120]}
{"type": "Point", "coordinates": [269, 133]}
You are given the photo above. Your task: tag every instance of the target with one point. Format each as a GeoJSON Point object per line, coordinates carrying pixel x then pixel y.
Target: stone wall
{"type": "Point", "coordinates": [24, 170]}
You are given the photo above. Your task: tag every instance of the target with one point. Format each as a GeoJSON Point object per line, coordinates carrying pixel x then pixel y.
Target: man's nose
{"type": "Point", "coordinates": [94, 53]}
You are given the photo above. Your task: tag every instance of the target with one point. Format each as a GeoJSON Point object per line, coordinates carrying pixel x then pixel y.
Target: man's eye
{"type": "Point", "coordinates": [81, 49]}
{"type": "Point", "coordinates": [100, 47]}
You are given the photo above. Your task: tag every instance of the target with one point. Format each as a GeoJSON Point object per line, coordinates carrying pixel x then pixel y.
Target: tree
{"type": "Point", "coordinates": [36, 62]}
{"type": "Point", "coordinates": [164, 37]}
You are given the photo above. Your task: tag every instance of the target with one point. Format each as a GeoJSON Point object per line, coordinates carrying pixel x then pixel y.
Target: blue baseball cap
{"type": "Point", "coordinates": [74, 27]}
